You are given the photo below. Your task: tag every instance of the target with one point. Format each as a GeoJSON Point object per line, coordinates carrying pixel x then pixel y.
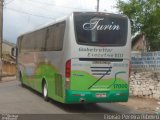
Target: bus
{"type": "Point", "coordinates": [80, 58]}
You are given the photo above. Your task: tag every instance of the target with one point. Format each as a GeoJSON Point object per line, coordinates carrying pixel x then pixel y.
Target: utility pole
{"type": "Point", "coordinates": [1, 36]}
{"type": "Point", "coordinates": [97, 5]}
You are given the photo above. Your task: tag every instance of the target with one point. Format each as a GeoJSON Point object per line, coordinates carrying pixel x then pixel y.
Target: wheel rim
{"type": "Point", "coordinates": [45, 90]}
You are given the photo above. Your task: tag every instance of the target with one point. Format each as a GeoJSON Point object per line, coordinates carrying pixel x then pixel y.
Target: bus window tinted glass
{"type": "Point", "coordinates": [55, 36]}
{"type": "Point", "coordinates": [100, 29]}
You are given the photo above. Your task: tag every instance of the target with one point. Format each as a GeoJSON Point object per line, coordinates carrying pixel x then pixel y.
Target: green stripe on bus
{"type": "Point", "coordinates": [81, 80]}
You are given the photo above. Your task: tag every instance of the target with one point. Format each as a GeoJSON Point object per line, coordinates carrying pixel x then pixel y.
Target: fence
{"type": "Point", "coordinates": [145, 61]}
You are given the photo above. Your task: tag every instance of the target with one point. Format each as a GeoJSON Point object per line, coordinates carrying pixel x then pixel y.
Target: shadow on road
{"type": "Point", "coordinates": [82, 108]}
{"type": "Point", "coordinates": [87, 107]}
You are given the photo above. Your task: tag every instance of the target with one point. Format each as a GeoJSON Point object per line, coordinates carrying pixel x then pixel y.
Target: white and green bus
{"type": "Point", "coordinates": [82, 58]}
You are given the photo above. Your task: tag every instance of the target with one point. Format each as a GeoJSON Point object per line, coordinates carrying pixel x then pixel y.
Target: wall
{"type": "Point", "coordinates": [145, 61]}
{"type": "Point", "coordinates": [145, 84]}
{"type": "Point", "coordinates": [9, 69]}
{"type": "Point", "coordinates": [145, 77]}
{"type": "Point", "coordinates": [139, 45]}
{"type": "Point", "coordinates": [6, 49]}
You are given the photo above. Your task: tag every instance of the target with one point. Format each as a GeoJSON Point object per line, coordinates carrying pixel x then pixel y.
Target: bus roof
{"type": "Point", "coordinates": [64, 18]}
{"type": "Point", "coordinates": [45, 25]}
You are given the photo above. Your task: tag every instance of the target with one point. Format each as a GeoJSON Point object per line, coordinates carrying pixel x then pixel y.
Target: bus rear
{"type": "Point", "coordinates": [99, 67]}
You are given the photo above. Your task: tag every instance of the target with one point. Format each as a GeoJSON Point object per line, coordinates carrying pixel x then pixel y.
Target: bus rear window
{"type": "Point", "coordinates": [100, 29]}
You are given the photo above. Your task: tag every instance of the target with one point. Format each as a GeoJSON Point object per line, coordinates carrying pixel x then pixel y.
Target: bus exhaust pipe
{"type": "Point", "coordinates": [82, 100]}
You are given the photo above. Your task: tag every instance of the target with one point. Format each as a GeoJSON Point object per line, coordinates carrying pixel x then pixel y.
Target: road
{"type": "Point", "coordinates": [17, 99]}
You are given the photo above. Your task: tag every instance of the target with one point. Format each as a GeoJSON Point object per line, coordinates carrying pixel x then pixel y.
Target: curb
{"type": "Point", "coordinates": [7, 79]}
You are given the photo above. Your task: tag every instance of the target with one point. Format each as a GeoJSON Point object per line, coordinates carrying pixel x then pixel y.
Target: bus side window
{"type": "Point", "coordinates": [54, 37]}
{"type": "Point", "coordinates": [33, 41]}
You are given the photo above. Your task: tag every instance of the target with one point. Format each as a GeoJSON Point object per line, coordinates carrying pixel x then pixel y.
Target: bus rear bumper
{"type": "Point", "coordinates": [96, 97]}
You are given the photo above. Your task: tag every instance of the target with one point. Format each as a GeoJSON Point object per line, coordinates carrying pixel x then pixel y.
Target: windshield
{"type": "Point", "coordinates": [100, 29]}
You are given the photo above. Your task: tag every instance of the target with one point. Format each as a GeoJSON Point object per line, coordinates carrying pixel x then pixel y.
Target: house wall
{"type": "Point", "coordinates": [9, 66]}
{"type": "Point", "coordinates": [8, 69]}
{"type": "Point", "coordinates": [140, 45]}
{"type": "Point", "coordinates": [6, 49]}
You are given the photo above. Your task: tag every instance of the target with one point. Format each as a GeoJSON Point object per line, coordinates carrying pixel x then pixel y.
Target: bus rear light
{"type": "Point", "coordinates": [68, 69]}
{"type": "Point", "coordinates": [67, 83]}
{"type": "Point", "coordinates": [68, 73]}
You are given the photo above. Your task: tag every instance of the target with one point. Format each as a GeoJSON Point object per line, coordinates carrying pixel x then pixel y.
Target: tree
{"type": "Point", "coordinates": [145, 18]}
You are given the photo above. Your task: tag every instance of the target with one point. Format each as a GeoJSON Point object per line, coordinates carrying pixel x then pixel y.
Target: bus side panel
{"type": "Point", "coordinates": [40, 66]}
{"type": "Point", "coordinates": [26, 67]}
{"type": "Point", "coordinates": [51, 65]}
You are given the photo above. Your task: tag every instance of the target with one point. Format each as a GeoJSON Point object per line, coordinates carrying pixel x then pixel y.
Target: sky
{"type": "Point", "coordinates": [20, 16]}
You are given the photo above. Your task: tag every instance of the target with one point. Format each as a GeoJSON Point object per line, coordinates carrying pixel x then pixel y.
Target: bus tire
{"type": "Point", "coordinates": [45, 91]}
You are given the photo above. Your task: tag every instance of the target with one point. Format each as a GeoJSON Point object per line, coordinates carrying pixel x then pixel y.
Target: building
{"type": "Point", "coordinates": [9, 63]}
{"type": "Point", "coordinates": [7, 46]}
{"type": "Point", "coordinates": [139, 43]}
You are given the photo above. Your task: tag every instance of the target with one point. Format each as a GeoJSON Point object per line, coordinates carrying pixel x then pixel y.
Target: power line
{"type": "Point", "coordinates": [48, 4]}
{"type": "Point", "coordinates": [24, 12]}
{"type": "Point", "coordinates": [44, 8]}
{"type": "Point", "coordinates": [42, 3]}
{"type": "Point", "coordinates": [6, 3]}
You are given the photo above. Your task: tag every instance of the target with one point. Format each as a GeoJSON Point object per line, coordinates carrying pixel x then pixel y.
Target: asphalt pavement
{"type": "Point", "coordinates": [15, 99]}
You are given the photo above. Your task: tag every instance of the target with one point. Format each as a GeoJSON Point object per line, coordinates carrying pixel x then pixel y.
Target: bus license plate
{"type": "Point", "coordinates": [100, 95]}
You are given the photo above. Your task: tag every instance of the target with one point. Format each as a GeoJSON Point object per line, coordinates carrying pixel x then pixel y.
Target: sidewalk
{"type": "Point", "coordinates": [8, 78]}
{"type": "Point", "coordinates": [146, 105]}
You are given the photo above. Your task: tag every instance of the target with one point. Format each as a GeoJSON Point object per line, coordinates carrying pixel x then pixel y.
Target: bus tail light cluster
{"type": "Point", "coordinates": [68, 68]}
{"type": "Point", "coordinates": [68, 73]}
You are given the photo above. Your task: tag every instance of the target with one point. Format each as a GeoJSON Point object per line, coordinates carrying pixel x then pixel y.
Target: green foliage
{"type": "Point", "coordinates": [145, 18]}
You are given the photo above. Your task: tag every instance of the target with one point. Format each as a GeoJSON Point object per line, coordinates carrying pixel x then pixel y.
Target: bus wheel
{"type": "Point", "coordinates": [45, 91]}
